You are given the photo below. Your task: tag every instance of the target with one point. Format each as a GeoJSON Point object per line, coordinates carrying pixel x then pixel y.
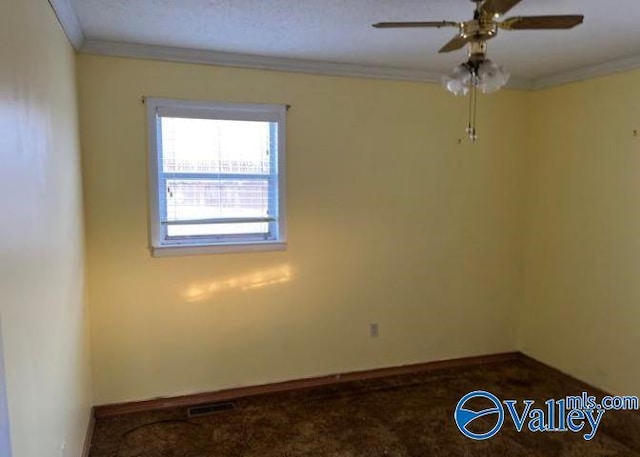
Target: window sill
{"type": "Point", "coordinates": [185, 250]}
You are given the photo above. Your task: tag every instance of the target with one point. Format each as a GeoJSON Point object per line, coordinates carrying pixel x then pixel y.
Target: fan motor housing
{"type": "Point", "coordinates": [480, 29]}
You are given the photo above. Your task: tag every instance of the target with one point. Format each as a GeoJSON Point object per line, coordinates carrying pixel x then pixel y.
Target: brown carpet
{"type": "Point", "coordinates": [399, 416]}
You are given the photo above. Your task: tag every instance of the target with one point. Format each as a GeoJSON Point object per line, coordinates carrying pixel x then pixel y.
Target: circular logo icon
{"type": "Point", "coordinates": [464, 416]}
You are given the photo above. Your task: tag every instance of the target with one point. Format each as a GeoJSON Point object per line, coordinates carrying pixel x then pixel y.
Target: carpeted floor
{"type": "Point", "coordinates": [399, 416]}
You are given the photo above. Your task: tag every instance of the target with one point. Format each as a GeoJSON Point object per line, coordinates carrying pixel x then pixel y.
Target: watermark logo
{"type": "Point", "coordinates": [465, 416]}
{"type": "Point", "coordinates": [575, 414]}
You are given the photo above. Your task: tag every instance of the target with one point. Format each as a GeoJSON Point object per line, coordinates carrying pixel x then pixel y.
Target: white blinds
{"type": "Point", "coordinates": [217, 177]}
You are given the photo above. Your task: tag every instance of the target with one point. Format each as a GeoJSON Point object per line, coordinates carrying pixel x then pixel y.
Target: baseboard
{"type": "Point", "coordinates": [118, 409]}
{"type": "Point", "coordinates": [89, 433]}
{"type": "Point", "coordinates": [586, 387]}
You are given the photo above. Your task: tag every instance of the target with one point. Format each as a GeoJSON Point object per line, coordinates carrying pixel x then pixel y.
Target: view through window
{"type": "Point", "coordinates": [218, 177]}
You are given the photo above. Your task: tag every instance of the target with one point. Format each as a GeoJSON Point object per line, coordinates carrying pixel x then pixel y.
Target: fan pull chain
{"type": "Point", "coordinates": [475, 111]}
{"type": "Point", "coordinates": [473, 108]}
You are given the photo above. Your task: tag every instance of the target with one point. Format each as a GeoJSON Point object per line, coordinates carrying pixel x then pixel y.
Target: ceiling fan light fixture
{"type": "Point", "coordinates": [479, 74]}
{"type": "Point", "coordinates": [476, 74]}
{"type": "Point", "coordinates": [458, 81]}
{"type": "Point", "coordinates": [491, 76]}
{"type": "Point", "coordinates": [486, 75]}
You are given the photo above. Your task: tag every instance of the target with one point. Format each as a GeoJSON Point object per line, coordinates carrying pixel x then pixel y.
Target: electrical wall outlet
{"type": "Point", "coordinates": [373, 330]}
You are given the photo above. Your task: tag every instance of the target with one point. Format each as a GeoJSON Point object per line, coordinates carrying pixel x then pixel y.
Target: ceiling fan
{"type": "Point", "coordinates": [478, 72]}
{"type": "Point", "coordinates": [485, 25]}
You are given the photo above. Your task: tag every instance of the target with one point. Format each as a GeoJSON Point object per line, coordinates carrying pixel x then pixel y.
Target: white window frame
{"type": "Point", "coordinates": [160, 245]}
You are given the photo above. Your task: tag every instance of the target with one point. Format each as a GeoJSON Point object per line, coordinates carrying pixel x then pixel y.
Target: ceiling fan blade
{"type": "Point", "coordinates": [542, 22]}
{"type": "Point", "coordinates": [499, 7]}
{"type": "Point", "coordinates": [407, 25]}
{"type": "Point", "coordinates": [458, 42]}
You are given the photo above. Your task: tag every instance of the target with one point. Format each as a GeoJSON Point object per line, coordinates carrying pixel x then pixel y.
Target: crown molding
{"type": "Point", "coordinates": [69, 21]}
{"type": "Point", "coordinates": [197, 56]}
{"type": "Point", "coordinates": [588, 72]}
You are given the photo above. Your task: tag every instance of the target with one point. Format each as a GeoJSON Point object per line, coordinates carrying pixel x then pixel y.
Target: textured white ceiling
{"type": "Point", "coordinates": [340, 30]}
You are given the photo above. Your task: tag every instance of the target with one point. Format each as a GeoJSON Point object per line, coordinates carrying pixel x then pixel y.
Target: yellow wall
{"type": "Point", "coordinates": [582, 291]}
{"type": "Point", "coordinates": [42, 306]}
{"type": "Point", "coordinates": [390, 220]}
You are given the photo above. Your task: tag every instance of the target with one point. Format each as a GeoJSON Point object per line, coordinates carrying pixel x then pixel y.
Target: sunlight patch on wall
{"type": "Point", "coordinates": [254, 280]}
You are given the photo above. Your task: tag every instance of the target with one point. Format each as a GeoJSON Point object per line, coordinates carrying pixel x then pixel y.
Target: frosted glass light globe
{"type": "Point", "coordinates": [491, 77]}
{"type": "Point", "coordinates": [458, 81]}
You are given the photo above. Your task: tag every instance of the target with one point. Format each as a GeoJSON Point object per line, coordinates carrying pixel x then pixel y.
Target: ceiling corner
{"type": "Point", "coordinates": [68, 19]}
{"type": "Point", "coordinates": [588, 72]}
{"type": "Point", "coordinates": [520, 84]}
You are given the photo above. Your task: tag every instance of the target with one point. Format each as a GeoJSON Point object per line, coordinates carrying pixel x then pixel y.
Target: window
{"type": "Point", "coordinates": [216, 177]}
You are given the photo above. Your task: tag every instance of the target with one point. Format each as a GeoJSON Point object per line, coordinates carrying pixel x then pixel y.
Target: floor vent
{"type": "Point", "coordinates": [211, 408]}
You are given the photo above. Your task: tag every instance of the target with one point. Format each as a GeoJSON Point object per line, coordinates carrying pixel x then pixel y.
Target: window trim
{"type": "Point", "coordinates": [158, 107]}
